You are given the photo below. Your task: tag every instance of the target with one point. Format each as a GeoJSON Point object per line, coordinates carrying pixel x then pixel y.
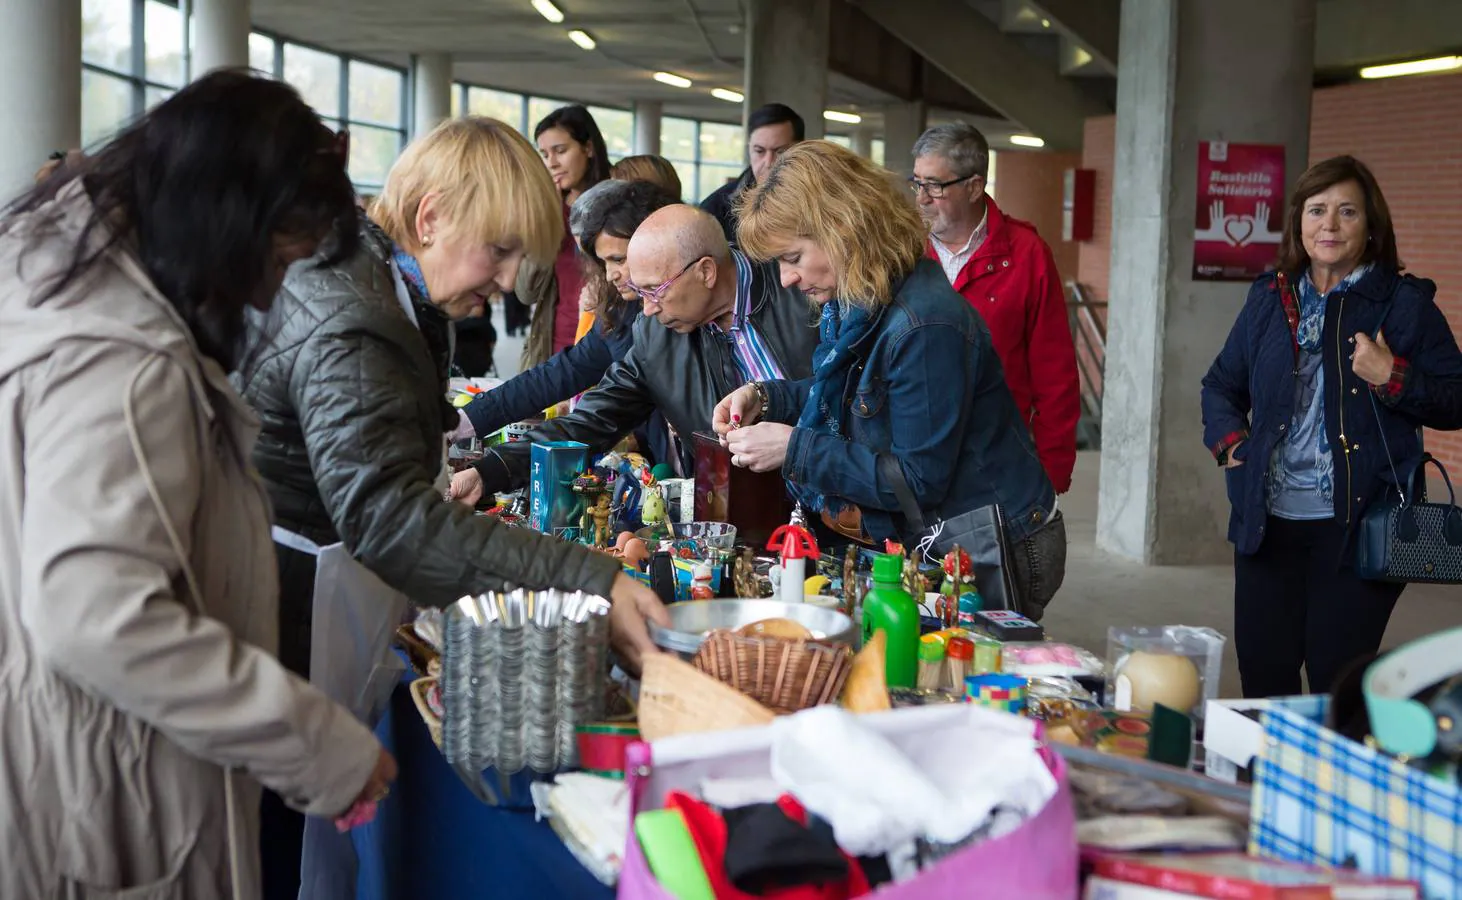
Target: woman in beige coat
{"type": "Point", "coordinates": [141, 702]}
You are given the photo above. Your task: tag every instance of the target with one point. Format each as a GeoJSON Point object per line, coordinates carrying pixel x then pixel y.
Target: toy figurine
{"type": "Point", "coordinates": [745, 575]}
{"type": "Point", "coordinates": [913, 582]}
{"type": "Point", "coordinates": [850, 580]}
{"type": "Point", "coordinates": [585, 486]}
{"type": "Point", "coordinates": [959, 578]}
{"type": "Point", "coordinates": [595, 524]}
{"type": "Point", "coordinates": [652, 507]}
{"type": "Point", "coordinates": [629, 469]}
{"type": "Point", "coordinates": [700, 583]}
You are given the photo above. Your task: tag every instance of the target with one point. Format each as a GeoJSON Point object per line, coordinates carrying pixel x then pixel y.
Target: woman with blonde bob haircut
{"type": "Point", "coordinates": [906, 429]}
{"type": "Point", "coordinates": [349, 378]}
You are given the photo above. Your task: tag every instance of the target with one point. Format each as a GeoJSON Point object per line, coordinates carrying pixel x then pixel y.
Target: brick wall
{"type": "Point", "coordinates": [1408, 130]}
{"type": "Point", "coordinates": [1028, 186]}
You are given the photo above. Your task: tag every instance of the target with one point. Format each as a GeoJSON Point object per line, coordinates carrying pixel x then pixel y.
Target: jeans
{"type": "Point", "coordinates": [1038, 567]}
{"type": "Point", "coordinates": [1294, 605]}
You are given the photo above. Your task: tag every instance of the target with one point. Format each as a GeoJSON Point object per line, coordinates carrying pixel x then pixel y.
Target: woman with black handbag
{"type": "Point", "coordinates": [1337, 360]}
{"type": "Point", "coordinates": [906, 429]}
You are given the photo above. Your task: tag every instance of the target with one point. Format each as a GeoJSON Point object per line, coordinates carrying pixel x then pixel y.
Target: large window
{"type": "Point", "coordinates": [134, 56]}
{"type": "Point", "coordinates": [131, 58]}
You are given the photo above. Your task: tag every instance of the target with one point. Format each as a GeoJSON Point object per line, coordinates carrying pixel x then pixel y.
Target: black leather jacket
{"type": "Point", "coordinates": [683, 375]}
{"type": "Point", "coordinates": [352, 396]}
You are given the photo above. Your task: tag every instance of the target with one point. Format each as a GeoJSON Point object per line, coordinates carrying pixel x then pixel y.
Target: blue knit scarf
{"type": "Point", "coordinates": [838, 331]}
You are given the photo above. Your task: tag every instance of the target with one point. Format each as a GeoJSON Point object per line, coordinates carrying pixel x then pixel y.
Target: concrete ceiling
{"type": "Point", "coordinates": [507, 44]}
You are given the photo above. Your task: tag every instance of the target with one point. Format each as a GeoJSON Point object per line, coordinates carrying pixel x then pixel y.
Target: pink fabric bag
{"type": "Point", "coordinates": [1037, 861]}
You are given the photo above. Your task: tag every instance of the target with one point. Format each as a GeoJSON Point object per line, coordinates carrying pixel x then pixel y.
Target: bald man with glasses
{"type": "Point", "coordinates": [713, 321]}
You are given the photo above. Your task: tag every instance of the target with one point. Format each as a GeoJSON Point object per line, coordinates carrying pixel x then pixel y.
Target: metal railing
{"type": "Point", "coordinates": [1089, 332]}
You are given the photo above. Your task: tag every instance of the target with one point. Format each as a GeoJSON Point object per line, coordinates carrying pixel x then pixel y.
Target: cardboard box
{"type": "Point", "coordinates": [551, 498]}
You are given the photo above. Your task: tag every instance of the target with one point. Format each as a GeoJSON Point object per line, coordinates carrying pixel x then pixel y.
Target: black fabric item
{"type": "Point", "coordinates": [766, 851]}
{"type": "Point", "coordinates": [1294, 606]}
{"type": "Point", "coordinates": [721, 203]}
{"type": "Point", "coordinates": [476, 343]}
{"type": "Point", "coordinates": [517, 315]}
{"type": "Point", "coordinates": [281, 848]}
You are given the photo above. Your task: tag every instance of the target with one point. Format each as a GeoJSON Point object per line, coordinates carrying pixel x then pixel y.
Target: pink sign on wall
{"type": "Point", "coordinates": [1240, 210]}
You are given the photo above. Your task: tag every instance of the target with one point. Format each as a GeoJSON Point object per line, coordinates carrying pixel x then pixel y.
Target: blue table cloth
{"type": "Point", "coordinates": [433, 839]}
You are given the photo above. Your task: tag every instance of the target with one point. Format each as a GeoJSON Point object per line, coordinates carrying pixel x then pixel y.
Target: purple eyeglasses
{"type": "Point", "coordinates": [653, 294]}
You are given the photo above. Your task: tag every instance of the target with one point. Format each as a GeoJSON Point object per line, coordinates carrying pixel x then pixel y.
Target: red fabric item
{"type": "Point", "coordinates": [1012, 281]}
{"type": "Point", "coordinates": [566, 268]}
{"type": "Point", "coordinates": [708, 830]}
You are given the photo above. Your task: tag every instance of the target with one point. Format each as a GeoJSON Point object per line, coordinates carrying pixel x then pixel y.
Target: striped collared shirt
{"type": "Point", "coordinates": [752, 356]}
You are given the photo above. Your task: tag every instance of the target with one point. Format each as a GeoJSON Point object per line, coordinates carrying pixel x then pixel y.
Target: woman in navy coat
{"type": "Point", "coordinates": [1334, 358]}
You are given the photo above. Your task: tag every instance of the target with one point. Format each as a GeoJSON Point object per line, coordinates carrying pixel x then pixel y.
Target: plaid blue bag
{"type": "Point", "coordinates": [1321, 798]}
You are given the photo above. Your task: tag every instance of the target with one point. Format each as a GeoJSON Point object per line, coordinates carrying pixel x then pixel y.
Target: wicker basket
{"type": "Point", "coordinates": [781, 674]}
{"type": "Point", "coordinates": [676, 698]}
{"type": "Point", "coordinates": [419, 687]}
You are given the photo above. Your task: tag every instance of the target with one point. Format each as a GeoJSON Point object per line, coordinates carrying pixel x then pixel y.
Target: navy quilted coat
{"type": "Point", "coordinates": [1248, 394]}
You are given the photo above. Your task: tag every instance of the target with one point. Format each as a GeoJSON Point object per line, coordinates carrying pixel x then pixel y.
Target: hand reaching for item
{"type": "Point", "coordinates": [1372, 361]}
{"type": "Point", "coordinates": [631, 604]}
{"type": "Point", "coordinates": [760, 448]}
{"type": "Point", "coordinates": [737, 409]}
{"type": "Point", "coordinates": [1232, 461]}
{"type": "Point", "coordinates": [466, 487]}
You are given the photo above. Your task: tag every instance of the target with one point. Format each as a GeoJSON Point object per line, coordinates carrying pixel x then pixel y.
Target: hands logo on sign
{"type": "Point", "coordinates": [1238, 231]}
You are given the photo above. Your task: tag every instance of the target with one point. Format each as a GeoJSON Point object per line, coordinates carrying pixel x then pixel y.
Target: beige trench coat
{"type": "Point", "coordinates": [137, 599]}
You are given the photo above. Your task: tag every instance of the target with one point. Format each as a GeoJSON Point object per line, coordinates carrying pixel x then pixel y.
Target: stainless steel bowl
{"type": "Point", "coordinates": [690, 621]}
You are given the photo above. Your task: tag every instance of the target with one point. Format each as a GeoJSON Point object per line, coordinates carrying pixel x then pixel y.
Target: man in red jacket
{"type": "Point", "coordinates": [1004, 269]}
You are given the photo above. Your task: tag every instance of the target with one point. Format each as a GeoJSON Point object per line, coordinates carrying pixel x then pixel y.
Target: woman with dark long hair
{"type": "Point", "coordinates": [143, 704]}
{"type": "Point", "coordinates": [1336, 362]}
{"type": "Point", "coordinates": [573, 150]}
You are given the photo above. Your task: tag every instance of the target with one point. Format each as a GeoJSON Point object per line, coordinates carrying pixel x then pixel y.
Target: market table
{"type": "Point", "coordinates": [433, 839]}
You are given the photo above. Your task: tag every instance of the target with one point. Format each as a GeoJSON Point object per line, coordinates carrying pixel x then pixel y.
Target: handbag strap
{"type": "Point", "coordinates": [893, 473]}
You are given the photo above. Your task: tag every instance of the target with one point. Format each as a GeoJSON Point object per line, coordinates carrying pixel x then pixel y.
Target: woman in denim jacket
{"type": "Point", "coordinates": [1334, 359]}
{"type": "Point", "coordinates": [906, 384]}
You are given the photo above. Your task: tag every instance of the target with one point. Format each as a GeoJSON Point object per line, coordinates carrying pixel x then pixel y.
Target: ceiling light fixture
{"type": "Point", "coordinates": [1045, 23]}
{"type": "Point", "coordinates": [833, 115]}
{"type": "Point", "coordinates": [1414, 67]}
{"type": "Point", "coordinates": [1026, 140]}
{"type": "Point", "coordinates": [672, 79]}
{"type": "Point", "coordinates": [583, 39]}
{"type": "Point", "coordinates": [728, 95]}
{"type": "Point", "coordinates": [547, 10]}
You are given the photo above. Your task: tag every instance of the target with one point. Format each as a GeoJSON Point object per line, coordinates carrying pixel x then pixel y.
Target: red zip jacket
{"type": "Point", "coordinates": [1012, 281]}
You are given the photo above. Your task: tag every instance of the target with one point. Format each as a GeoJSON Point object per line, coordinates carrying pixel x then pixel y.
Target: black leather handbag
{"type": "Point", "coordinates": [978, 532]}
{"type": "Point", "coordinates": [1405, 539]}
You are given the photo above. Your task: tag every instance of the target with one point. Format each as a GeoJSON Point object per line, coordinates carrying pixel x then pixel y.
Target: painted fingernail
{"type": "Point", "coordinates": [735, 417]}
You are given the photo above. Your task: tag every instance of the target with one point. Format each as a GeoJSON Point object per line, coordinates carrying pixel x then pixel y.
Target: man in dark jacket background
{"type": "Point", "coordinates": [713, 321]}
{"type": "Point", "coordinates": [771, 131]}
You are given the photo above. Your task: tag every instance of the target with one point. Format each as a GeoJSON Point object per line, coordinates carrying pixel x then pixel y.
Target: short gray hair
{"type": "Point", "coordinates": [962, 145]}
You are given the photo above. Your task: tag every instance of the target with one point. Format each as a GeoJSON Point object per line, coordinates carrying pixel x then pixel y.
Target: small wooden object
{"type": "Point", "coordinates": [677, 698]}
{"type": "Point", "coordinates": [785, 675]}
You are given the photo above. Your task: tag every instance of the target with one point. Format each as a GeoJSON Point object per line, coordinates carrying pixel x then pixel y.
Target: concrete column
{"type": "Point", "coordinates": [647, 126]}
{"type": "Point", "coordinates": [902, 125]}
{"type": "Point", "coordinates": [220, 35]}
{"type": "Point", "coordinates": [40, 87]}
{"type": "Point", "coordinates": [786, 58]}
{"type": "Point", "coordinates": [1162, 499]}
{"type": "Point", "coordinates": [863, 141]}
{"type": "Point", "coordinates": [431, 79]}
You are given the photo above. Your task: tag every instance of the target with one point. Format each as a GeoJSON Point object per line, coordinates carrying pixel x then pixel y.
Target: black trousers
{"type": "Point", "coordinates": [1295, 605]}
{"type": "Point", "coordinates": [281, 829]}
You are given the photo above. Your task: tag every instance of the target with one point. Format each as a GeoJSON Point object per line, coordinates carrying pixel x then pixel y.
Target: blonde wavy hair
{"type": "Point", "coordinates": [844, 204]}
{"type": "Point", "coordinates": [493, 188]}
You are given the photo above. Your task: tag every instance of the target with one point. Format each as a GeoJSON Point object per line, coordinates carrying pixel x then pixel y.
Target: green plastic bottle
{"type": "Point", "coordinates": [889, 608]}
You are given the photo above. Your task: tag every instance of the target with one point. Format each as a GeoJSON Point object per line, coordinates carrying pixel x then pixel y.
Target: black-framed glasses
{"type": "Point", "coordinates": [653, 294]}
{"type": "Point", "coordinates": [935, 189]}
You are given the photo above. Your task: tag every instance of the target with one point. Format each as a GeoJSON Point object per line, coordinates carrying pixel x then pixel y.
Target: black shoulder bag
{"type": "Point", "coordinates": [1404, 538]}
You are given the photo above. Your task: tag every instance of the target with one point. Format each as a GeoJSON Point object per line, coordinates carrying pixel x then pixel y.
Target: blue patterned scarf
{"type": "Point", "coordinates": [411, 271]}
{"type": "Point", "coordinates": [838, 331]}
